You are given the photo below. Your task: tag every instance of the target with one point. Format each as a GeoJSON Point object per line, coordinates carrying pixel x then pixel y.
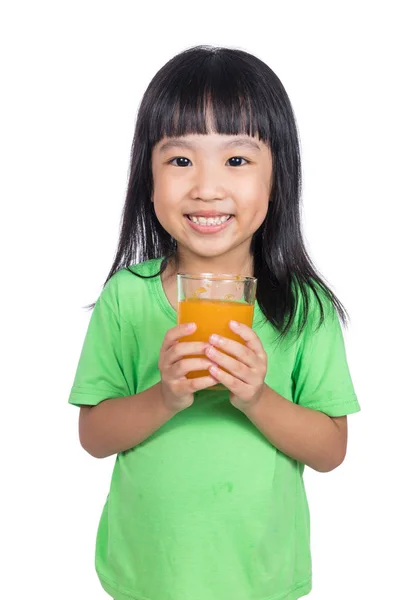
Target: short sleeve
{"type": "Point", "coordinates": [321, 376]}
{"type": "Point", "coordinates": [99, 374]}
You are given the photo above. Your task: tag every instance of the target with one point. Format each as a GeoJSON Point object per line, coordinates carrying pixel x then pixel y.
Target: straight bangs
{"type": "Point", "coordinates": [204, 94]}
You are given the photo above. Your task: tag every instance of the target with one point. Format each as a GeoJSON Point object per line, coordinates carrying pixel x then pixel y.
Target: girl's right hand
{"type": "Point", "coordinates": [177, 390]}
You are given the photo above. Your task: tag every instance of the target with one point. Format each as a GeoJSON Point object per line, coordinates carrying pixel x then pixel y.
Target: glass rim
{"type": "Point", "coordinates": [218, 277]}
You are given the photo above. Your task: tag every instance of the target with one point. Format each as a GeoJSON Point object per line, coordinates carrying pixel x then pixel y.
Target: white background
{"type": "Point", "coordinates": [72, 76]}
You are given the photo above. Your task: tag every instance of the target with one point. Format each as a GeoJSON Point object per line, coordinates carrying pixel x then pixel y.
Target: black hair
{"type": "Point", "coordinates": [245, 97]}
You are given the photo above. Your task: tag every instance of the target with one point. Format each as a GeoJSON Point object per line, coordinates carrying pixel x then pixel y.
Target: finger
{"type": "Point", "coordinates": [173, 335]}
{"type": "Point", "coordinates": [178, 351]}
{"type": "Point", "coordinates": [249, 336]}
{"type": "Point", "coordinates": [236, 386]}
{"type": "Point", "coordinates": [185, 366]}
{"type": "Point", "coordinates": [244, 354]}
{"type": "Point", "coordinates": [237, 368]}
{"type": "Point", "coordinates": [201, 383]}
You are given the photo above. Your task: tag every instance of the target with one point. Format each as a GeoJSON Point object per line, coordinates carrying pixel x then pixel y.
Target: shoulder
{"type": "Point", "coordinates": [130, 286]}
{"type": "Point", "coordinates": [131, 277]}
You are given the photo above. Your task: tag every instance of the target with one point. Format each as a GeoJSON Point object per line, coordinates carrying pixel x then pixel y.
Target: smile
{"type": "Point", "coordinates": [209, 220]}
{"type": "Point", "coordinates": [210, 224]}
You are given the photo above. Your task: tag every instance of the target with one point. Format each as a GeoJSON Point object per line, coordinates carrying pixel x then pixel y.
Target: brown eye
{"type": "Point", "coordinates": [181, 161]}
{"type": "Point", "coordinates": [236, 161]}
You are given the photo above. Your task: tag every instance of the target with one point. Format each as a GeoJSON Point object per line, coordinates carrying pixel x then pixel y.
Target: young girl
{"type": "Point", "coordinates": [207, 499]}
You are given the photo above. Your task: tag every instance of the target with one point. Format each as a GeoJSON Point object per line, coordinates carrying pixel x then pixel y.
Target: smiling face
{"type": "Point", "coordinates": [211, 194]}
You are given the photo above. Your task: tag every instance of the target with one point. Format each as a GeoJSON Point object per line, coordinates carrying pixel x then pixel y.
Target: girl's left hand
{"type": "Point", "coordinates": [247, 365]}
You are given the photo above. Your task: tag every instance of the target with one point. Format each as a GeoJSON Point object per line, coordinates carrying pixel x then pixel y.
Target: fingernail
{"type": "Point", "coordinates": [234, 323]}
{"type": "Point", "coordinates": [190, 326]}
{"type": "Point", "coordinates": [214, 339]}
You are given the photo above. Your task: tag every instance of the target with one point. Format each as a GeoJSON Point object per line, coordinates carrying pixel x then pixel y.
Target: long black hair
{"type": "Point", "coordinates": [245, 97]}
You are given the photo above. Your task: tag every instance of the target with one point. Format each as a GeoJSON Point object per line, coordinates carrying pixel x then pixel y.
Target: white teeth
{"type": "Point", "coordinates": [209, 221]}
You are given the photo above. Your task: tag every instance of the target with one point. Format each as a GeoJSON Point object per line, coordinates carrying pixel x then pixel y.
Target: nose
{"type": "Point", "coordinates": [207, 185]}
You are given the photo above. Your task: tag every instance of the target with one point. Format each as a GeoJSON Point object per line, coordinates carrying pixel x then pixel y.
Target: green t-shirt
{"type": "Point", "coordinates": [205, 508]}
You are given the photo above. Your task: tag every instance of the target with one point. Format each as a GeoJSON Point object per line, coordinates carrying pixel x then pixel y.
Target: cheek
{"type": "Point", "coordinates": [160, 194]}
{"type": "Point", "coordinates": [255, 183]}
{"type": "Point", "coordinates": [160, 208]}
{"type": "Point", "coordinates": [164, 202]}
{"type": "Point", "coordinates": [255, 193]}
{"type": "Point", "coordinates": [260, 214]}
{"type": "Point", "coordinates": [260, 202]}
{"type": "Point", "coordinates": [264, 194]}
{"type": "Point", "coordinates": [163, 215]}
{"type": "Point", "coordinates": [165, 190]}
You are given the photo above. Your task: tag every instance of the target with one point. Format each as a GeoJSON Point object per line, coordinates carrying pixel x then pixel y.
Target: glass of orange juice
{"type": "Point", "coordinates": [212, 300]}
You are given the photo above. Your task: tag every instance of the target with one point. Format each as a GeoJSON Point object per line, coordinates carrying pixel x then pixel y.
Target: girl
{"type": "Point", "coordinates": [207, 498]}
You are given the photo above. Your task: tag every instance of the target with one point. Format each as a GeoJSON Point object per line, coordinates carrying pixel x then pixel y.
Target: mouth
{"type": "Point", "coordinates": [209, 221]}
{"type": "Point", "coordinates": [209, 224]}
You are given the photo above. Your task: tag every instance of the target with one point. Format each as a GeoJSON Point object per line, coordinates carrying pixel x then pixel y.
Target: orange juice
{"type": "Point", "coordinates": [212, 316]}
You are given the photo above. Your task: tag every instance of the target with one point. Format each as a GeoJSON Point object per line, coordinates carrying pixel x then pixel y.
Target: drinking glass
{"type": "Point", "coordinates": [212, 300]}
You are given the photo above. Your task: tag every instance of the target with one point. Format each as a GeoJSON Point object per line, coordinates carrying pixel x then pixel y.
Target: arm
{"type": "Point", "coordinates": [308, 436]}
{"type": "Point", "coordinates": [119, 424]}
{"type": "Point", "coordinates": [304, 433]}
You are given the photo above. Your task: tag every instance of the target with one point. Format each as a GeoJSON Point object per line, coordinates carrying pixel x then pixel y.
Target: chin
{"type": "Point", "coordinates": [210, 252]}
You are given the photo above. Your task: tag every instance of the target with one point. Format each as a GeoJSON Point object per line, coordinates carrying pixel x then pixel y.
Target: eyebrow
{"type": "Point", "coordinates": [182, 143]}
